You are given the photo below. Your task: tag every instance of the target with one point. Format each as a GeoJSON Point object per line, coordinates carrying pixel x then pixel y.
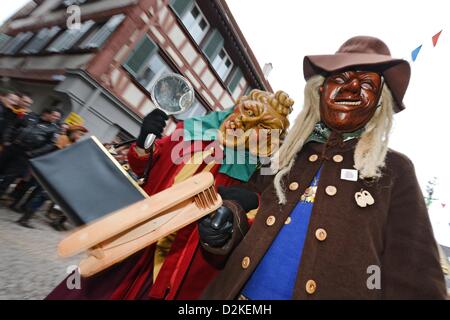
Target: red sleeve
{"type": "Point", "coordinates": [137, 163]}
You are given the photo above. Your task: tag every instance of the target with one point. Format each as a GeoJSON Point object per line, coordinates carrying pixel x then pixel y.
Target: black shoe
{"type": "Point", "coordinates": [24, 224]}
{"type": "Point", "coordinates": [58, 226]}
{"type": "Point", "coordinates": [17, 209]}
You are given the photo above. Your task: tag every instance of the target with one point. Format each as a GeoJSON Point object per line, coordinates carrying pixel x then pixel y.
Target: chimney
{"type": "Point", "coordinates": [267, 69]}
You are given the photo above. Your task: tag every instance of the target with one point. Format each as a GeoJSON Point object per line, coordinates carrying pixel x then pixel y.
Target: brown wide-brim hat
{"type": "Point", "coordinates": [367, 53]}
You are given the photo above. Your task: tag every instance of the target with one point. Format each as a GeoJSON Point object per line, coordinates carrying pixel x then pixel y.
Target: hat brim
{"type": "Point", "coordinates": [396, 72]}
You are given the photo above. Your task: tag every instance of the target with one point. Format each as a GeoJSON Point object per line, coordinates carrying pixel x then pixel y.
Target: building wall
{"type": "Point", "coordinates": [96, 84]}
{"type": "Point", "coordinates": [156, 19]}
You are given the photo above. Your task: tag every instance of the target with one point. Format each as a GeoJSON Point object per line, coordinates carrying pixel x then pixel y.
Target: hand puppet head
{"type": "Point", "coordinates": [258, 123]}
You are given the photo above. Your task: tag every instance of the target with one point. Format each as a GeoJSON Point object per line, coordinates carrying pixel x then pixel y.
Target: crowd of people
{"type": "Point", "coordinates": [25, 135]}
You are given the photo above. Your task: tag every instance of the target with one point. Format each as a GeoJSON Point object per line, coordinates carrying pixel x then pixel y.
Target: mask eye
{"type": "Point", "coordinates": [367, 86]}
{"type": "Point", "coordinates": [339, 79]}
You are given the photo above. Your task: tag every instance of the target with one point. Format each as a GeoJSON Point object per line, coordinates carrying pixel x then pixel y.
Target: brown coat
{"type": "Point", "coordinates": [394, 233]}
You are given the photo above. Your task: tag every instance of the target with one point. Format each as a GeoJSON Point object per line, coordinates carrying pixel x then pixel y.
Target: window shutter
{"type": "Point", "coordinates": [17, 42]}
{"type": "Point", "coordinates": [99, 37]}
{"type": "Point", "coordinates": [68, 3]}
{"type": "Point", "coordinates": [237, 76]}
{"type": "Point", "coordinates": [181, 6]}
{"type": "Point", "coordinates": [41, 40]}
{"type": "Point", "coordinates": [247, 91]}
{"type": "Point", "coordinates": [140, 55]}
{"type": "Point", "coordinates": [213, 45]}
{"type": "Point", "coordinates": [4, 39]}
{"type": "Point", "coordinates": [69, 37]}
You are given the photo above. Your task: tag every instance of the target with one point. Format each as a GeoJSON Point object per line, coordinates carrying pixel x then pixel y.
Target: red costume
{"type": "Point", "coordinates": [186, 270]}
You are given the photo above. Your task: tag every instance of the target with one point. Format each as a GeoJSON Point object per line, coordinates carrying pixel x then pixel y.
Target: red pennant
{"type": "Point", "coordinates": [436, 38]}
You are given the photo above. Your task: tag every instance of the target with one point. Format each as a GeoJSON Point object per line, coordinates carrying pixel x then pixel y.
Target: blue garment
{"type": "Point", "coordinates": [274, 277]}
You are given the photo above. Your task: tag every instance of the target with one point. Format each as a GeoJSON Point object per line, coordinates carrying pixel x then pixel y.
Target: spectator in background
{"type": "Point", "coordinates": [27, 182]}
{"type": "Point", "coordinates": [25, 101]}
{"type": "Point", "coordinates": [9, 101]}
{"type": "Point", "coordinates": [33, 138]}
{"type": "Point", "coordinates": [20, 117]}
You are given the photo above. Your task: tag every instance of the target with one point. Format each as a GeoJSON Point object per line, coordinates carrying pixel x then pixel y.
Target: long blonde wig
{"type": "Point", "coordinates": [370, 150]}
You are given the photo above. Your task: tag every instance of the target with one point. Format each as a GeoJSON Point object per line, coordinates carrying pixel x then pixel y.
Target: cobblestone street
{"type": "Point", "coordinates": [29, 265]}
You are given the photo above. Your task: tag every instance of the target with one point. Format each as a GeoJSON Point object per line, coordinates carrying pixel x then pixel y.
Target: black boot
{"type": "Point", "coordinates": [24, 220]}
{"type": "Point", "coordinates": [24, 224]}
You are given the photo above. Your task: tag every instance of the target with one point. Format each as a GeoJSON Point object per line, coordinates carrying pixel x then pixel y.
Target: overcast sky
{"type": "Point", "coordinates": [284, 31]}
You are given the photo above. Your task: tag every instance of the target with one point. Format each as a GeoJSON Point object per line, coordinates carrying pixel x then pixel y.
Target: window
{"type": "Point", "coordinates": [197, 109]}
{"type": "Point", "coordinates": [14, 44]}
{"type": "Point", "coordinates": [196, 23]}
{"type": "Point", "coordinates": [98, 38]}
{"type": "Point", "coordinates": [139, 57]}
{"type": "Point", "coordinates": [214, 44]}
{"type": "Point", "coordinates": [222, 64]}
{"type": "Point", "coordinates": [4, 39]}
{"type": "Point", "coordinates": [234, 82]}
{"type": "Point", "coordinates": [70, 37]}
{"type": "Point", "coordinates": [181, 6]}
{"type": "Point", "coordinates": [41, 39]}
{"type": "Point", "coordinates": [155, 68]}
{"type": "Point", "coordinates": [145, 63]}
{"type": "Point", "coordinates": [215, 51]}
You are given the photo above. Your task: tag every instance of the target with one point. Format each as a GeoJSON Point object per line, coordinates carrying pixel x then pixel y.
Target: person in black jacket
{"type": "Point", "coordinates": [32, 137]}
{"type": "Point", "coordinates": [9, 101]}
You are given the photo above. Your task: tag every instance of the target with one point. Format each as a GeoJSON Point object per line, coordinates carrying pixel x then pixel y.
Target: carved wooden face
{"type": "Point", "coordinates": [257, 124]}
{"type": "Point", "coordinates": [349, 99]}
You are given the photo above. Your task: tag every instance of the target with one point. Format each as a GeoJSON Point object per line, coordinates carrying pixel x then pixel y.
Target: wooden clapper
{"type": "Point", "coordinates": [87, 182]}
{"type": "Point", "coordinates": [115, 237]}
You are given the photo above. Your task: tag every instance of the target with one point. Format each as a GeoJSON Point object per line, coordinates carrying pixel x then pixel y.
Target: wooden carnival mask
{"type": "Point", "coordinates": [349, 99]}
{"type": "Point", "coordinates": [258, 122]}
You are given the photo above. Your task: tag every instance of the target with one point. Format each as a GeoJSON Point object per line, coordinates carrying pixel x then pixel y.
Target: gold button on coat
{"type": "Point", "coordinates": [311, 286]}
{"type": "Point", "coordinates": [270, 221]}
{"type": "Point", "coordinates": [293, 186]}
{"type": "Point", "coordinates": [331, 190]}
{"type": "Point", "coordinates": [288, 220]}
{"type": "Point", "coordinates": [313, 157]}
{"type": "Point", "coordinates": [338, 158]}
{"type": "Point", "coordinates": [245, 262]}
{"type": "Point", "coordinates": [321, 234]}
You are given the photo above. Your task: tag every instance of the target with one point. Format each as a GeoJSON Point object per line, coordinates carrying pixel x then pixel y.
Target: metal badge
{"type": "Point", "coordinates": [349, 174]}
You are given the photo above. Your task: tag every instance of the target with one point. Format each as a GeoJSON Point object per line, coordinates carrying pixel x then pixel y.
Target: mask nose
{"type": "Point", "coordinates": [352, 87]}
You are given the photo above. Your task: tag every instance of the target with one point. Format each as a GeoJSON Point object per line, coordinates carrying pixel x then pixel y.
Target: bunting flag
{"type": "Point", "coordinates": [415, 52]}
{"type": "Point", "coordinates": [436, 38]}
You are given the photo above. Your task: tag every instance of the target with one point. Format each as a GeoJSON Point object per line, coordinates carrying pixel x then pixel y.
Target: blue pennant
{"type": "Point", "coordinates": [415, 52]}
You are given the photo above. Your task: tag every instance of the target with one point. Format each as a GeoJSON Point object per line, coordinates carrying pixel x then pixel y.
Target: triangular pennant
{"type": "Point", "coordinates": [415, 52]}
{"type": "Point", "coordinates": [436, 38]}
